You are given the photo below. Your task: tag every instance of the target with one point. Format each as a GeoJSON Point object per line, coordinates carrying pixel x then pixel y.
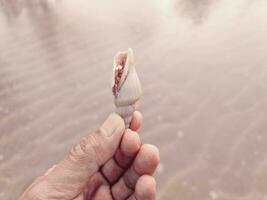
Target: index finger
{"type": "Point", "coordinates": [136, 121]}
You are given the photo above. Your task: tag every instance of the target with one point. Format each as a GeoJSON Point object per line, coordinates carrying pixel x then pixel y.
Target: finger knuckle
{"type": "Point", "coordinates": [78, 152]}
{"type": "Point", "coordinates": [88, 147]}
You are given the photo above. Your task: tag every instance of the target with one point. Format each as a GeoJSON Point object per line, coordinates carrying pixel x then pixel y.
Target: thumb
{"type": "Point", "coordinates": [95, 149]}
{"type": "Point", "coordinates": [70, 176]}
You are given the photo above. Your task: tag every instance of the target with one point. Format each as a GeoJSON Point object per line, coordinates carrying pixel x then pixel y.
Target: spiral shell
{"type": "Point", "coordinates": [126, 85]}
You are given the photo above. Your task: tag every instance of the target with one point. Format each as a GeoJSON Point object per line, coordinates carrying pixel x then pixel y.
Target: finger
{"type": "Point", "coordinates": [145, 162]}
{"type": "Point", "coordinates": [130, 145]}
{"type": "Point", "coordinates": [132, 197]}
{"type": "Point", "coordinates": [103, 193]}
{"type": "Point", "coordinates": [124, 156]}
{"type": "Point", "coordinates": [85, 158]}
{"type": "Point", "coordinates": [93, 184]}
{"type": "Point", "coordinates": [145, 188]}
{"type": "Point", "coordinates": [136, 121]}
{"type": "Point", "coordinates": [121, 191]}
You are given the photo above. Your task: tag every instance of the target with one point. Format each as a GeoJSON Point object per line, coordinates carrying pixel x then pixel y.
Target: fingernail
{"type": "Point", "coordinates": [112, 125]}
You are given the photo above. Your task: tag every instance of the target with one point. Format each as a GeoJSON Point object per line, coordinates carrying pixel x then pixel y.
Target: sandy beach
{"type": "Point", "coordinates": [203, 67]}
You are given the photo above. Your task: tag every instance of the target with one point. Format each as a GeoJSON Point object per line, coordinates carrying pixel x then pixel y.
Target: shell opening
{"type": "Point", "coordinates": [119, 69]}
{"type": "Point", "coordinates": [121, 60]}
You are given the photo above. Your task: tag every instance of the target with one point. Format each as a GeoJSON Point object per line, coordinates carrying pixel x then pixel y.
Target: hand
{"type": "Point", "coordinates": [110, 163]}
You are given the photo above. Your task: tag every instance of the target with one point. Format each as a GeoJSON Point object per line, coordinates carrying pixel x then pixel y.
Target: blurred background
{"type": "Point", "coordinates": [203, 67]}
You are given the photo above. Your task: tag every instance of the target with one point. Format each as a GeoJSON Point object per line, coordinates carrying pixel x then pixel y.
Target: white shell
{"type": "Point", "coordinates": [126, 112]}
{"type": "Point", "coordinates": [129, 90]}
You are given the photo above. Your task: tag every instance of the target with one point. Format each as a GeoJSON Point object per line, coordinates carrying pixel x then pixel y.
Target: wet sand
{"type": "Point", "coordinates": [203, 67]}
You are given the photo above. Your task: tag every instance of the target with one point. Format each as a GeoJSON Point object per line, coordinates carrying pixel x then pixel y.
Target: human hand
{"type": "Point", "coordinates": [110, 163]}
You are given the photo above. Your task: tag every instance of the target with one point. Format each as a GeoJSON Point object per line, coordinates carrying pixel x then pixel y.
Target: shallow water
{"type": "Point", "coordinates": [203, 67]}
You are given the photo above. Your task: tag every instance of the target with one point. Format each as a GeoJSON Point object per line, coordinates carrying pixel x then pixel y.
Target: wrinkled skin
{"type": "Point", "coordinates": [111, 163]}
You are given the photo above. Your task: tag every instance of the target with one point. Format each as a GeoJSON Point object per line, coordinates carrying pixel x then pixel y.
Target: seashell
{"type": "Point", "coordinates": [126, 86]}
